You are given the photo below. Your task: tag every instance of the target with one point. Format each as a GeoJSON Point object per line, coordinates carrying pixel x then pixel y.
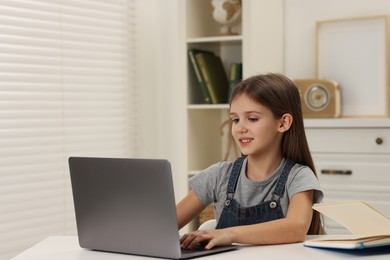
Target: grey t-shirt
{"type": "Point", "coordinates": [210, 186]}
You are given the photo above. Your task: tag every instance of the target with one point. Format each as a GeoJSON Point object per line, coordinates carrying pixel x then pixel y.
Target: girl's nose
{"type": "Point", "coordinates": [238, 128]}
{"type": "Point", "coordinates": [243, 129]}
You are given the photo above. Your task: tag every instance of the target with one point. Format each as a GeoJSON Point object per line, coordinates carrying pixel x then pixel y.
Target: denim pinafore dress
{"type": "Point", "coordinates": [235, 215]}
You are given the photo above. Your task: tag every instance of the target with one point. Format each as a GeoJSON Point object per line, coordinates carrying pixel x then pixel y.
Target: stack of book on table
{"type": "Point", "coordinates": [368, 227]}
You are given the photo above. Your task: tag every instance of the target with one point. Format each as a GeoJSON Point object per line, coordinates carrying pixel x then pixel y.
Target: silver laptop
{"type": "Point", "coordinates": [128, 206]}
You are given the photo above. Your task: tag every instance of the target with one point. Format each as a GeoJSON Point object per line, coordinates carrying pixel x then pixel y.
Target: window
{"type": "Point", "coordinates": [66, 89]}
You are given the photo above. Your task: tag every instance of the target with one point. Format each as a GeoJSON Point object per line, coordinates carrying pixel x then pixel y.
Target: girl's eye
{"type": "Point", "coordinates": [235, 120]}
{"type": "Point", "coordinates": [252, 119]}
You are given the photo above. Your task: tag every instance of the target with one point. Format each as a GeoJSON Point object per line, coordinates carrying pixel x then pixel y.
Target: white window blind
{"type": "Point", "coordinates": [66, 89]}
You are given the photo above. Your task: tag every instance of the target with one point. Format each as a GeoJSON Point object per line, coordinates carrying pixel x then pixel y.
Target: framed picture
{"type": "Point", "coordinates": [354, 52]}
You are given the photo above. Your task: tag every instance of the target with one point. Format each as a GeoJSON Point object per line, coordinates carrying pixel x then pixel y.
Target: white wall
{"type": "Point", "coordinates": [171, 94]}
{"type": "Point", "coordinates": [300, 22]}
{"type": "Point", "coordinates": [146, 71]}
{"type": "Point", "coordinates": [161, 109]}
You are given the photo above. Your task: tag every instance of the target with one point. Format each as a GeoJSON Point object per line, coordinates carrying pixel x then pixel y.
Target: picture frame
{"type": "Point", "coordinates": [354, 52]}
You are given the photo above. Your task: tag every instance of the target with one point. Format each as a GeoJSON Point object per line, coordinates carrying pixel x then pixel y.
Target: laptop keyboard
{"type": "Point", "coordinates": [198, 248]}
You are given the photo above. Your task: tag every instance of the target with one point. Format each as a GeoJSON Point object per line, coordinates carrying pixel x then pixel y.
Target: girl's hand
{"type": "Point", "coordinates": [209, 238]}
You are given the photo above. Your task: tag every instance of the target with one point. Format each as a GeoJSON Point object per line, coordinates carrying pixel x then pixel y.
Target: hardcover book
{"type": "Point", "coordinates": [214, 75]}
{"type": "Point", "coordinates": [235, 76]}
{"type": "Point", "coordinates": [369, 227]}
{"type": "Point", "coordinates": [198, 74]}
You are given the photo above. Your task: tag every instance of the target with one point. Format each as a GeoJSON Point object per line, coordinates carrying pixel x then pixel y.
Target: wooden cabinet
{"type": "Point", "coordinates": [352, 159]}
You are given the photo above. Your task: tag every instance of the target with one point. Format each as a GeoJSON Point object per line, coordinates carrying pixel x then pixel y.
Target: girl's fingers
{"type": "Point", "coordinates": [193, 239]}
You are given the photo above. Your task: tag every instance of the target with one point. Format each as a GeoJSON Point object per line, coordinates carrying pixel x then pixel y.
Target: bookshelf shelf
{"type": "Point", "coordinates": [205, 144]}
{"type": "Point", "coordinates": [207, 106]}
{"type": "Point", "coordinates": [215, 39]}
{"type": "Point", "coordinates": [206, 131]}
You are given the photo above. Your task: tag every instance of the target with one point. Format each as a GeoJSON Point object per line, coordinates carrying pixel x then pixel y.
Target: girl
{"type": "Point", "coordinates": [266, 196]}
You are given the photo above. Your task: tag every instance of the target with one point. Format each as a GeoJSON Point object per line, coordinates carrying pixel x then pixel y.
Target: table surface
{"type": "Point", "coordinates": [67, 247]}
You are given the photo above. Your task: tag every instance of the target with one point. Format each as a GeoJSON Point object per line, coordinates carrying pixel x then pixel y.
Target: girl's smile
{"type": "Point", "coordinates": [245, 141]}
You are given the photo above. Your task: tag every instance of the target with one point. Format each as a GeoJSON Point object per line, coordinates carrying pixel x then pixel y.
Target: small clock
{"type": "Point", "coordinates": [320, 98]}
{"type": "Point", "coordinates": [317, 97]}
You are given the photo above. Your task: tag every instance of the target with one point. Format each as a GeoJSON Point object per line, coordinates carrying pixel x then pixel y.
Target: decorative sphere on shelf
{"type": "Point", "coordinates": [227, 13]}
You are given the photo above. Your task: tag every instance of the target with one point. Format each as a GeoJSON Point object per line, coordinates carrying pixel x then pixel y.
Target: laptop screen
{"type": "Point", "coordinates": [125, 205]}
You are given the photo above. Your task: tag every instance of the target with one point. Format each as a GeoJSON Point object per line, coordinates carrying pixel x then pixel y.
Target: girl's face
{"type": "Point", "coordinates": [254, 127]}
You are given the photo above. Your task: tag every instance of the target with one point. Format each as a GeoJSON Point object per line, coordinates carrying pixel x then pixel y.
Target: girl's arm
{"type": "Point", "coordinates": [292, 228]}
{"type": "Point", "coordinates": [188, 208]}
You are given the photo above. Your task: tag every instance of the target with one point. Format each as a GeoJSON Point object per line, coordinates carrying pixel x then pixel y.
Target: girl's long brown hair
{"type": "Point", "coordinates": [281, 96]}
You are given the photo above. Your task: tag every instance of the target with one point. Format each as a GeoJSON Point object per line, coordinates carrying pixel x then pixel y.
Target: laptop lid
{"type": "Point", "coordinates": [127, 206]}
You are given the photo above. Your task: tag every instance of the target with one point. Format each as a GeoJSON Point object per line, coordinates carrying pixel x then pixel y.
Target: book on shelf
{"type": "Point", "coordinates": [235, 76]}
{"type": "Point", "coordinates": [368, 226]}
{"type": "Point", "coordinates": [202, 84]}
{"type": "Point", "coordinates": [214, 75]}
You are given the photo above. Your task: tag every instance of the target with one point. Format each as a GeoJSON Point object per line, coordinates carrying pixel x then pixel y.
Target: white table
{"type": "Point", "coordinates": [67, 248]}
